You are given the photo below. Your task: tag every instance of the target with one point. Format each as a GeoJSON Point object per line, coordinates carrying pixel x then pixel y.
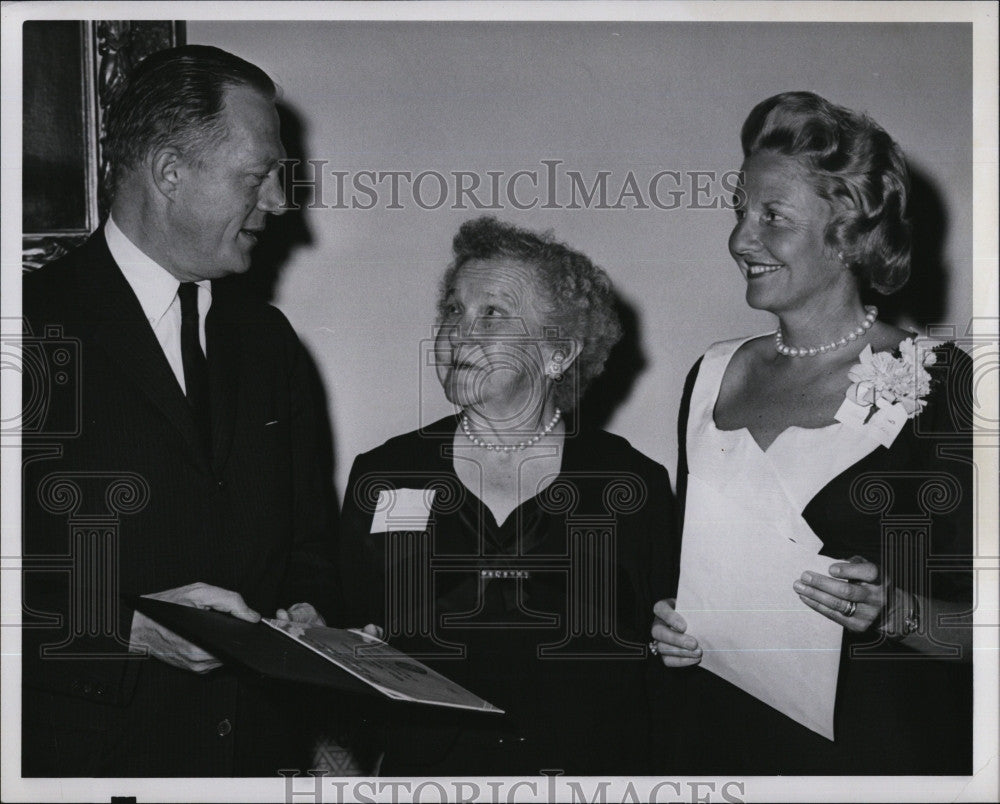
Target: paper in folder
{"type": "Point", "coordinates": [342, 659]}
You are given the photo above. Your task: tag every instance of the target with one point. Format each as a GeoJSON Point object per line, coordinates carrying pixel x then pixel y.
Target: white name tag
{"type": "Point", "coordinates": [402, 509]}
{"type": "Point", "coordinates": [887, 422]}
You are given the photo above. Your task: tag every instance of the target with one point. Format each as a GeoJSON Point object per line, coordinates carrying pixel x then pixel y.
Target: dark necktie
{"type": "Point", "coordinates": [195, 364]}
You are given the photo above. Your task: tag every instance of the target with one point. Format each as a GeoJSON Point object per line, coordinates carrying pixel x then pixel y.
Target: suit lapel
{"type": "Point", "coordinates": [121, 329]}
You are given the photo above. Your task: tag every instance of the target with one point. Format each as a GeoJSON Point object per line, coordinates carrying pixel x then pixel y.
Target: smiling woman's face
{"type": "Point", "coordinates": [490, 350]}
{"type": "Point", "coordinates": [778, 241]}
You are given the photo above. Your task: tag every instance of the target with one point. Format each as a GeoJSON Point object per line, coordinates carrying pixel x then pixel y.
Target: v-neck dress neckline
{"type": "Point", "coordinates": [523, 528]}
{"type": "Point", "coordinates": [776, 483]}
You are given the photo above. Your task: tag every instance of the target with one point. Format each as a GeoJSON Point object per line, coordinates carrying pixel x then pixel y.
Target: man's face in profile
{"type": "Point", "coordinates": [229, 189]}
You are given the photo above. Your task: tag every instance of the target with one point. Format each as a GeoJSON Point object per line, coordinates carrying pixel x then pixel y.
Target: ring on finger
{"type": "Point", "coordinates": [654, 647]}
{"type": "Point", "coordinates": [850, 608]}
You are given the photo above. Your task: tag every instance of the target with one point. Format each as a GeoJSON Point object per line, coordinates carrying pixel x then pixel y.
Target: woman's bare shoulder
{"type": "Point", "coordinates": [752, 354]}
{"type": "Point", "coordinates": [750, 359]}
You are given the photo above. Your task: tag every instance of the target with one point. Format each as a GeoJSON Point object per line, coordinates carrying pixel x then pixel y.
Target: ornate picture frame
{"type": "Point", "coordinates": [72, 70]}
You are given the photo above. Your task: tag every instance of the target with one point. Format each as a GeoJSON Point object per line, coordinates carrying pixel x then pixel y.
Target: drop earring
{"type": "Point", "coordinates": [555, 369]}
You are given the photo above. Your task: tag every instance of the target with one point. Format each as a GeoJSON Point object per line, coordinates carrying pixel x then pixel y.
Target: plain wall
{"type": "Point", "coordinates": [360, 285]}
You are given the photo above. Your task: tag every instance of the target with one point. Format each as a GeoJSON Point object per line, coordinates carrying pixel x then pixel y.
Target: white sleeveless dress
{"type": "Point", "coordinates": [745, 542]}
{"type": "Point", "coordinates": [777, 483]}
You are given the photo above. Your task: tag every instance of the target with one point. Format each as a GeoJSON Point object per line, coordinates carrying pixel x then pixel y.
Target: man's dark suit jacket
{"type": "Point", "coordinates": [120, 497]}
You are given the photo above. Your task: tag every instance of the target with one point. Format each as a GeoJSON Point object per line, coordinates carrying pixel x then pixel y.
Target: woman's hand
{"type": "Point", "coordinates": [674, 647]}
{"type": "Point", "coordinates": [303, 613]}
{"type": "Point", "coordinates": [854, 597]}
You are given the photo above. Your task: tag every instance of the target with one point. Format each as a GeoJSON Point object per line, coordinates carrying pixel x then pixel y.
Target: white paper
{"type": "Point", "coordinates": [382, 667]}
{"type": "Point", "coordinates": [402, 509]}
{"type": "Point", "coordinates": [737, 598]}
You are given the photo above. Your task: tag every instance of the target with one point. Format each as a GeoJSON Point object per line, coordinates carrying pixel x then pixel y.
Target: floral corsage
{"type": "Point", "coordinates": [892, 388]}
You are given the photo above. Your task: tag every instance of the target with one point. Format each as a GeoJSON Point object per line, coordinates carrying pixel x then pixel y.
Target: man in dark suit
{"type": "Point", "coordinates": [189, 468]}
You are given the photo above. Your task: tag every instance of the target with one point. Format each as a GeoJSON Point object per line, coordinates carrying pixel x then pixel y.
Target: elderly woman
{"type": "Point", "coordinates": [509, 546]}
{"type": "Point", "coordinates": [834, 427]}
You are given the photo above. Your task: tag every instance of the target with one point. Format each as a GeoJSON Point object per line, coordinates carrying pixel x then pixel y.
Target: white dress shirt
{"type": "Point", "coordinates": [156, 289]}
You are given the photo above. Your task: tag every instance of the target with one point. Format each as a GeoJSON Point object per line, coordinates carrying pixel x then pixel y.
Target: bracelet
{"type": "Point", "coordinates": [896, 627]}
{"type": "Point", "coordinates": [911, 620]}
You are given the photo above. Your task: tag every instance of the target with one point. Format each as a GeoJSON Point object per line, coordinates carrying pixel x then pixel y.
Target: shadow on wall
{"type": "Point", "coordinates": [625, 364]}
{"type": "Point", "coordinates": [286, 232]}
{"type": "Point", "coordinates": [924, 298]}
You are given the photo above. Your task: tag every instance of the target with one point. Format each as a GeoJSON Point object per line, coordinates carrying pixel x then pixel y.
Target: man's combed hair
{"type": "Point", "coordinates": [850, 158]}
{"type": "Point", "coordinates": [574, 294]}
{"type": "Point", "coordinates": [175, 98]}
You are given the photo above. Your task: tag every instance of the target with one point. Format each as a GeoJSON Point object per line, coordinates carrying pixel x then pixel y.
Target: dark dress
{"type": "Point", "coordinates": [908, 506]}
{"type": "Point", "coordinates": [546, 616]}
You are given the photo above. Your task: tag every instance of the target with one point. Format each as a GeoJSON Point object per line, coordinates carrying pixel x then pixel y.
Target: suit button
{"type": "Point", "coordinates": [99, 689]}
{"type": "Point", "coordinates": [224, 727]}
{"type": "Point", "coordinates": [87, 689]}
{"type": "Point", "coordinates": [220, 484]}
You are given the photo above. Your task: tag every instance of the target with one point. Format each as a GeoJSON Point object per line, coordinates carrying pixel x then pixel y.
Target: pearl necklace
{"type": "Point", "coordinates": [509, 447]}
{"type": "Point", "coordinates": [810, 351]}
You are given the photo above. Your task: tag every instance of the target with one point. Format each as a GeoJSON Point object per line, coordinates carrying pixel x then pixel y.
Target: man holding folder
{"type": "Point", "coordinates": [193, 475]}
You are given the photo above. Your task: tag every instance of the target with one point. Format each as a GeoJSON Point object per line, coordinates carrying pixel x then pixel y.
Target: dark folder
{"type": "Point", "coordinates": [255, 646]}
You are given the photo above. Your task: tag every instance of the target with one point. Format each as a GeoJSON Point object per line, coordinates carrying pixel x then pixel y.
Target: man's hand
{"type": "Point", "coordinates": [300, 613]}
{"type": "Point", "coordinates": [167, 646]}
